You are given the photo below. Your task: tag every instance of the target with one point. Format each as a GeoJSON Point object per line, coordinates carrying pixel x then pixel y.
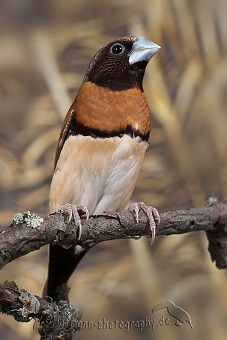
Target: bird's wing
{"type": "Point", "coordinates": [64, 132]}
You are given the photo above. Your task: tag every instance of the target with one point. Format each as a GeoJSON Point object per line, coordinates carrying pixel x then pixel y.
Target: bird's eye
{"type": "Point", "coordinates": [117, 49]}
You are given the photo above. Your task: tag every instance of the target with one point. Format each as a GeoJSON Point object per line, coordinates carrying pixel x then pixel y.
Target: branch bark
{"type": "Point", "coordinates": [57, 321]}
{"type": "Point", "coordinates": [29, 232]}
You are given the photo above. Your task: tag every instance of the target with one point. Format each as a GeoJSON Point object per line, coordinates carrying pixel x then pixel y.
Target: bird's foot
{"type": "Point", "coordinates": [73, 211]}
{"type": "Point", "coordinates": [152, 214]}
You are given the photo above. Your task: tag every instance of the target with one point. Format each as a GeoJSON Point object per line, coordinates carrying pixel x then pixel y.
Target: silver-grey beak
{"type": "Point", "coordinates": [142, 50]}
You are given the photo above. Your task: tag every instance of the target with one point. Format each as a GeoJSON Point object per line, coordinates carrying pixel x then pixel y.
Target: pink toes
{"type": "Point", "coordinates": [152, 214]}
{"type": "Point", "coordinates": [73, 211]}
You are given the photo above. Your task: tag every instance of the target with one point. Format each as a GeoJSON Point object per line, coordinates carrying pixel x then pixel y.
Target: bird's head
{"type": "Point", "coordinates": [121, 64]}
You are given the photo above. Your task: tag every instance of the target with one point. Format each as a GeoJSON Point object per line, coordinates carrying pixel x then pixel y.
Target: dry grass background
{"type": "Point", "coordinates": [45, 47]}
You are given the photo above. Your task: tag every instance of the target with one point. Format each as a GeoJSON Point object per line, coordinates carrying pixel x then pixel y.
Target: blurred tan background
{"type": "Point", "coordinates": [45, 47]}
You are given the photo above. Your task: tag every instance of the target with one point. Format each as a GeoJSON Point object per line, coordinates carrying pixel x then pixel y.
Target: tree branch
{"type": "Point", "coordinates": [57, 321]}
{"type": "Point", "coordinates": [29, 232]}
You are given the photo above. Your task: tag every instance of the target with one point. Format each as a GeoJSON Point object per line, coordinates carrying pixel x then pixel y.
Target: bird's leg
{"type": "Point", "coordinates": [152, 214]}
{"type": "Point", "coordinates": [73, 211]}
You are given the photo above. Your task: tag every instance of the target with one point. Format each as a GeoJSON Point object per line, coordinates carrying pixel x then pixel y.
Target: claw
{"type": "Point", "coordinates": [152, 214]}
{"type": "Point", "coordinates": [72, 211]}
{"type": "Point", "coordinates": [84, 209]}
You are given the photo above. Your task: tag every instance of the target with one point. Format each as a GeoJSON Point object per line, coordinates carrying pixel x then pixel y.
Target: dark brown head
{"type": "Point", "coordinates": [121, 64]}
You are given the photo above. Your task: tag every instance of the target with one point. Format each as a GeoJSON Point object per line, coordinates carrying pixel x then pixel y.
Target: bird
{"type": "Point", "coordinates": [177, 312]}
{"type": "Point", "coordinates": [101, 146]}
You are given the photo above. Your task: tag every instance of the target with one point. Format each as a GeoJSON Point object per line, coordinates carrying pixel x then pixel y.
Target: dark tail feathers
{"type": "Point", "coordinates": [62, 263]}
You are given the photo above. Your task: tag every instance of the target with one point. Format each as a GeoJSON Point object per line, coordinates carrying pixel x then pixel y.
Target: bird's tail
{"type": "Point", "coordinates": [62, 263]}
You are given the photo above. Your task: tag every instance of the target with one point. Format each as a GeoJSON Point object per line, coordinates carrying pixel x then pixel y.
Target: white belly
{"type": "Point", "coordinates": [99, 173]}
